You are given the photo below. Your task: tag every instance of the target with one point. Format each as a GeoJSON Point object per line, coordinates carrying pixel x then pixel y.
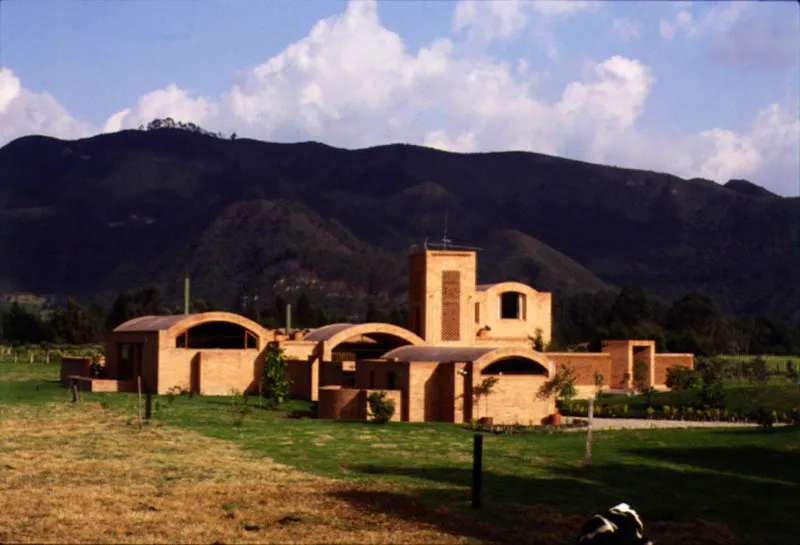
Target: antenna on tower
{"type": "Point", "coordinates": [445, 240]}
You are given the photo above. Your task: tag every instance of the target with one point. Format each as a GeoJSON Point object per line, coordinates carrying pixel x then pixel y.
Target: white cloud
{"type": "Point", "coordinates": [760, 43]}
{"type": "Point", "coordinates": [23, 112]}
{"type": "Point", "coordinates": [625, 29]}
{"type": "Point", "coordinates": [716, 20]}
{"type": "Point", "coordinates": [170, 102]}
{"type": "Point", "coordinates": [497, 19]}
{"type": "Point", "coordinates": [353, 83]}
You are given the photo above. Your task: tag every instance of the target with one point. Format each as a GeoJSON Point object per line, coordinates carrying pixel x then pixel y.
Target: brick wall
{"type": "Point", "coordinates": [514, 401]}
{"type": "Point", "coordinates": [340, 403]}
{"type": "Point", "coordinates": [72, 365]}
{"type": "Point", "coordinates": [211, 371]}
{"type": "Point", "coordinates": [223, 370]}
{"type": "Point", "coordinates": [665, 361]}
{"type": "Point", "coordinates": [584, 365]}
{"type": "Point", "coordinates": [374, 374]}
{"type": "Point", "coordinates": [424, 392]}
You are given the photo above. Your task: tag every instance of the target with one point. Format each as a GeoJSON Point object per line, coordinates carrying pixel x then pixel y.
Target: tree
{"type": "Point", "coordinates": [26, 326]}
{"type": "Point", "coordinates": [306, 314]}
{"type": "Point", "coordinates": [275, 382]}
{"type": "Point", "coordinates": [631, 306]}
{"type": "Point", "coordinates": [74, 325]}
{"type": "Point", "coordinates": [599, 382]}
{"type": "Point", "coordinates": [373, 314]}
{"type": "Point", "coordinates": [562, 385]}
{"type": "Point", "coordinates": [484, 390]}
{"type": "Point", "coordinates": [131, 304]}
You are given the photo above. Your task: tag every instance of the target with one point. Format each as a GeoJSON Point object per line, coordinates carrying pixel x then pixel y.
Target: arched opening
{"type": "Point", "coordinates": [367, 346]}
{"type": "Point", "coordinates": [225, 335]}
{"type": "Point", "coordinates": [511, 305]}
{"type": "Point", "coordinates": [514, 366]}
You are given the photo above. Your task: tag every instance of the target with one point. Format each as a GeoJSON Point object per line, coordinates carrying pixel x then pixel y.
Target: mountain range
{"type": "Point", "coordinates": [94, 217]}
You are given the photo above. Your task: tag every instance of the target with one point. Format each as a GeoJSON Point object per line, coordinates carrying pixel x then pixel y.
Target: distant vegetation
{"type": "Point", "coordinates": [169, 123]}
{"type": "Point", "coordinates": [691, 324]}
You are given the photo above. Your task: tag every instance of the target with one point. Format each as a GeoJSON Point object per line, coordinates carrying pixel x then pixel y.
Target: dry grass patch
{"type": "Point", "coordinates": [81, 474]}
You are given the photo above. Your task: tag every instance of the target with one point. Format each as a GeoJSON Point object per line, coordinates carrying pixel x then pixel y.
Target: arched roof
{"type": "Point", "coordinates": [176, 324]}
{"type": "Point", "coordinates": [330, 336]}
{"type": "Point", "coordinates": [505, 286]}
{"type": "Point", "coordinates": [479, 356]}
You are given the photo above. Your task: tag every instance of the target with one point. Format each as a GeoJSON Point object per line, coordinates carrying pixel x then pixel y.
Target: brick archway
{"type": "Point", "coordinates": [513, 352]}
{"type": "Point", "coordinates": [330, 336]}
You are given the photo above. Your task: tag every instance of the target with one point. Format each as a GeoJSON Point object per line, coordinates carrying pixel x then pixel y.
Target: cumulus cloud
{"type": "Point", "coordinates": [353, 83]}
{"type": "Point", "coordinates": [170, 102]}
{"type": "Point", "coordinates": [24, 112]}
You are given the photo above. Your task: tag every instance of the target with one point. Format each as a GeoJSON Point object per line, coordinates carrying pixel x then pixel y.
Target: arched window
{"type": "Point", "coordinates": [225, 335]}
{"type": "Point", "coordinates": [511, 306]}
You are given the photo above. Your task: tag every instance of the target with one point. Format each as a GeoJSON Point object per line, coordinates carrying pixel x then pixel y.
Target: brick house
{"type": "Point", "coordinates": [460, 334]}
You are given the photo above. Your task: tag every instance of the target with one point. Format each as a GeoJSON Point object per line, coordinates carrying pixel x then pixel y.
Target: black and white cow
{"type": "Point", "coordinates": [620, 525]}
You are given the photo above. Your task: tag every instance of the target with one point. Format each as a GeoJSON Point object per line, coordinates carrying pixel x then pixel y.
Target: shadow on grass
{"type": "Point", "coordinates": [750, 461]}
{"type": "Point", "coordinates": [708, 501]}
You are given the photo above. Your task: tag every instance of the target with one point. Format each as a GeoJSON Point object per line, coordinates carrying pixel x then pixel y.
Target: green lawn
{"type": "Point", "coordinates": [741, 399]}
{"type": "Point", "coordinates": [746, 480]}
{"type": "Point", "coordinates": [773, 362]}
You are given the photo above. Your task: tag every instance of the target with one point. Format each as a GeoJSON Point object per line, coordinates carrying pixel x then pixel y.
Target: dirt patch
{"type": "Point", "coordinates": [78, 474]}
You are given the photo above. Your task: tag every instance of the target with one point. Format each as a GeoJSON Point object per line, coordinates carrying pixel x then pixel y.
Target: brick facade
{"type": "Point", "coordinates": [665, 361]}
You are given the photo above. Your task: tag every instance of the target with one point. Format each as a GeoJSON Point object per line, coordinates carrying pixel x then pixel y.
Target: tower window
{"type": "Point", "coordinates": [512, 305]}
{"type": "Point", "coordinates": [477, 313]}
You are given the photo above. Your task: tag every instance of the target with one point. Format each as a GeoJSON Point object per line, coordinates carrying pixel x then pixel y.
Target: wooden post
{"type": "Point", "coordinates": [477, 470]}
{"type": "Point", "coordinates": [139, 400]}
{"type": "Point", "coordinates": [186, 304]}
{"type": "Point", "coordinates": [148, 406]}
{"type": "Point", "coordinates": [74, 390]}
{"type": "Point", "coordinates": [588, 458]}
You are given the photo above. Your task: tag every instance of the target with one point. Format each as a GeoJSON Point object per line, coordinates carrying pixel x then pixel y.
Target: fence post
{"type": "Point", "coordinates": [588, 458]}
{"type": "Point", "coordinates": [139, 400]}
{"type": "Point", "coordinates": [477, 470]}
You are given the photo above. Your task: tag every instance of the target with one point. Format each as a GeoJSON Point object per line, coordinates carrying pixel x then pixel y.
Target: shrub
{"type": "Point", "coordinates": [791, 371]}
{"type": "Point", "coordinates": [380, 407]}
{"type": "Point", "coordinates": [237, 407]}
{"type": "Point", "coordinates": [680, 377]}
{"type": "Point", "coordinates": [275, 381]}
{"type": "Point", "coordinates": [667, 411]}
{"type": "Point", "coordinates": [650, 412]}
{"type": "Point", "coordinates": [711, 390]}
{"type": "Point", "coordinates": [757, 370]}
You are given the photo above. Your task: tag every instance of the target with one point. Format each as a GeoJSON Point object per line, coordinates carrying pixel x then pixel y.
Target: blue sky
{"type": "Point", "coordinates": [695, 89]}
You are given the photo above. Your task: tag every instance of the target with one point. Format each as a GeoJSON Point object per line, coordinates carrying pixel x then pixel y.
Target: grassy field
{"type": "Point", "coordinates": [741, 398]}
{"type": "Point", "coordinates": [208, 478]}
{"type": "Point", "coordinates": [773, 362]}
